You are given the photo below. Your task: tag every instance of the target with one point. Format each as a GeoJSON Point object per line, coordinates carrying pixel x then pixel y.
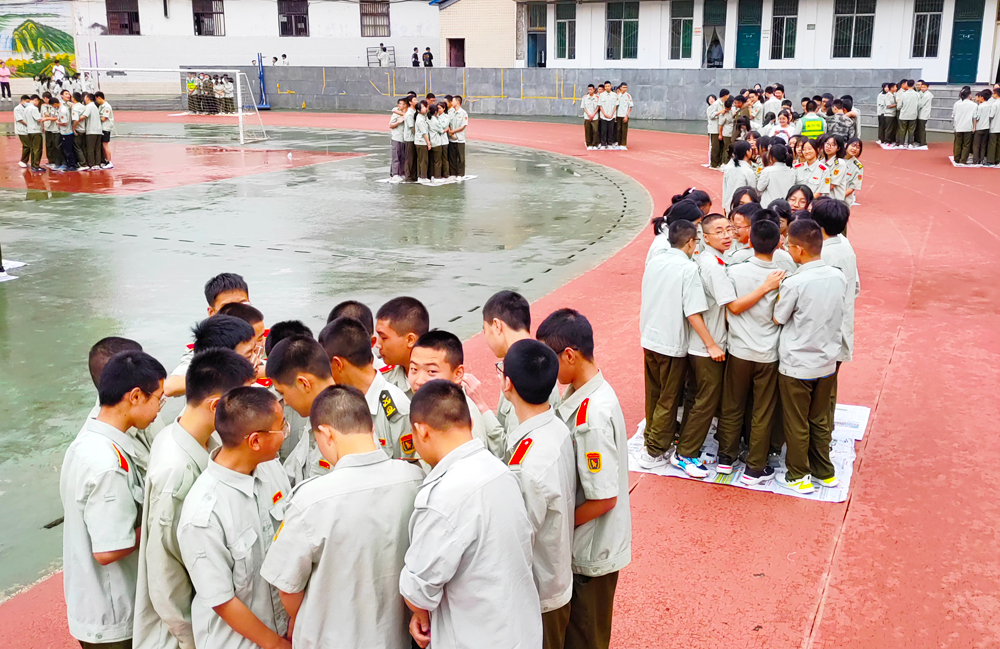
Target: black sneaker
{"type": "Point", "coordinates": [752, 477]}
{"type": "Point", "coordinates": [724, 466]}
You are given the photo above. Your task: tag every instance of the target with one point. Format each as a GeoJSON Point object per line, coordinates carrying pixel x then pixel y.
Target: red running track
{"type": "Point", "coordinates": [911, 559]}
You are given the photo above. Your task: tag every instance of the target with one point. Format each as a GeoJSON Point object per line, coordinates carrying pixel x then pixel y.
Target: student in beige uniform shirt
{"type": "Point", "coordinates": [624, 110]}
{"type": "Point", "coordinates": [467, 574]}
{"type": "Point", "coordinates": [781, 258]}
{"type": "Point", "coordinates": [540, 452]}
{"type": "Point", "coordinates": [180, 454]}
{"type": "Point", "coordinates": [602, 540]}
{"type": "Point", "coordinates": [348, 346]}
{"type": "Point", "coordinates": [101, 494]}
{"type": "Point", "coordinates": [591, 120]}
{"type": "Point", "coordinates": [228, 522]}
{"type": "Point", "coordinates": [398, 324]}
{"type": "Point", "coordinates": [337, 556]}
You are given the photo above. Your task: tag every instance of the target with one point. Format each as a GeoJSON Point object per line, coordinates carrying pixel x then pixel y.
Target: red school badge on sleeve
{"type": "Point", "coordinates": [122, 460]}
{"type": "Point", "coordinates": [581, 414]}
{"type": "Point", "coordinates": [520, 451]}
{"type": "Point", "coordinates": [387, 369]}
{"type": "Point", "coordinates": [323, 464]}
{"type": "Point", "coordinates": [406, 444]}
{"type": "Point", "coordinates": [594, 462]}
{"type": "Point", "coordinates": [719, 259]}
{"type": "Point", "coordinates": [276, 497]}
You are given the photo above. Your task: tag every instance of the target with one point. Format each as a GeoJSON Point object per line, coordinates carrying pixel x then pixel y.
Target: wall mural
{"type": "Point", "coordinates": [34, 35]}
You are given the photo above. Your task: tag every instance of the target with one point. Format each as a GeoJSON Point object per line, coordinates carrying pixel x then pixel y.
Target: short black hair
{"type": "Point", "coordinates": [223, 283]}
{"type": "Point", "coordinates": [766, 214]}
{"type": "Point", "coordinates": [215, 372]}
{"type": "Point", "coordinates": [343, 408]}
{"type": "Point", "coordinates": [810, 106]}
{"type": "Point", "coordinates": [223, 331]}
{"type": "Point", "coordinates": [406, 315]}
{"type": "Point", "coordinates": [443, 341]}
{"type": "Point", "coordinates": [778, 87]}
{"type": "Point", "coordinates": [285, 329]}
{"type": "Point", "coordinates": [243, 411]}
{"type": "Point", "coordinates": [746, 210]}
{"type": "Point", "coordinates": [356, 310]}
{"type": "Point", "coordinates": [442, 405]}
{"type": "Point", "coordinates": [765, 236]}
{"type": "Point", "coordinates": [98, 94]}
{"type": "Point", "coordinates": [509, 307]}
{"type": "Point", "coordinates": [808, 234]}
{"type": "Point", "coordinates": [724, 92]}
{"type": "Point", "coordinates": [831, 214]}
{"type": "Point", "coordinates": [127, 371]}
{"type": "Point", "coordinates": [769, 89]}
{"type": "Point", "coordinates": [741, 192]}
{"type": "Point", "coordinates": [348, 339]}
{"type": "Point", "coordinates": [249, 314]}
{"type": "Point", "coordinates": [568, 328]}
{"type": "Point", "coordinates": [680, 232]}
{"type": "Point", "coordinates": [297, 355]}
{"type": "Point", "coordinates": [532, 368]}
{"type": "Point", "coordinates": [103, 350]}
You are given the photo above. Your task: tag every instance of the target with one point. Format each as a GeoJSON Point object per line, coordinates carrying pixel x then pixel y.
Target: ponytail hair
{"type": "Point", "coordinates": [778, 152]}
{"type": "Point", "coordinates": [700, 197]}
{"type": "Point", "coordinates": [683, 210]}
{"type": "Point", "coordinates": [740, 151]}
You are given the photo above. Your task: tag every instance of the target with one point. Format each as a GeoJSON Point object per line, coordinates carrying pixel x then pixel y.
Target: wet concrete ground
{"type": "Point", "coordinates": [131, 260]}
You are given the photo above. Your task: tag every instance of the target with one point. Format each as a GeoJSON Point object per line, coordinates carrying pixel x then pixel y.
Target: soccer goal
{"type": "Point", "coordinates": [223, 93]}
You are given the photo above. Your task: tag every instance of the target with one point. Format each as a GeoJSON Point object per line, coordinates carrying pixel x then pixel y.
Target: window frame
{"type": "Point", "coordinates": [374, 27]}
{"type": "Point", "coordinates": [217, 11]}
{"type": "Point", "coordinates": [681, 29]}
{"type": "Point", "coordinates": [856, 47]}
{"type": "Point", "coordinates": [123, 13]}
{"type": "Point", "coordinates": [566, 31]}
{"type": "Point", "coordinates": [289, 14]}
{"type": "Point", "coordinates": [784, 20]}
{"type": "Point", "coordinates": [617, 51]}
{"type": "Point", "coordinates": [925, 30]}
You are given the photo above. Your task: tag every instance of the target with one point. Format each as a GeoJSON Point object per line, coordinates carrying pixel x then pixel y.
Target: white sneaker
{"type": "Point", "coordinates": [83, 168]}
{"type": "Point", "coordinates": [801, 486]}
{"type": "Point", "coordinates": [466, 177]}
{"type": "Point", "coordinates": [22, 165]}
{"type": "Point", "coordinates": [424, 181]}
{"type": "Point", "coordinates": [623, 148]}
{"type": "Point", "coordinates": [830, 483]}
{"type": "Point", "coordinates": [649, 462]}
{"type": "Point", "coordinates": [590, 148]}
{"type": "Point", "coordinates": [108, 165]}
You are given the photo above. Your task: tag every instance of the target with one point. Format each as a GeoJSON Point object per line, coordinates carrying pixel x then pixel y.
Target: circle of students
{"type": "Point", "coordinates": [74, 128]}
{"type": "Point", "coordinates": [749, 317]}
{"type": "Point", "coordinates": [405, 509]}
{"type": "Point", "coordinates": [976, 118]}
{"type": "Point", "coordinates": [428, 140]}
{"type": "Point", "coordinates": [210, 94]}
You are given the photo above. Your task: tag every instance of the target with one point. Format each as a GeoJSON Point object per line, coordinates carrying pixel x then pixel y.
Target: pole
{"type": "Point", "coordinates": [239, 104]}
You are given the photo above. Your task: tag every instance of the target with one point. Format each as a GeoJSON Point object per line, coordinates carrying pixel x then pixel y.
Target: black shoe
{"type": "Point", "coordinates": [752, 477]}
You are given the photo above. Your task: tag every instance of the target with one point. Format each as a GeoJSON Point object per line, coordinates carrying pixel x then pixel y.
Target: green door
{"type": "Point", "coordinates": [748, 34]}
{"type": "Point", "coordinates": [966, 37]}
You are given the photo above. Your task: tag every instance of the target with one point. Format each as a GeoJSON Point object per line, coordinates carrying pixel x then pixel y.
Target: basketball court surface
{"type": "Point", "coordinates": [910, 560]}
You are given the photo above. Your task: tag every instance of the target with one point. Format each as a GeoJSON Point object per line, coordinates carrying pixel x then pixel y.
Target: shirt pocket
{"type": "Point", "coordinates": [243, 562]}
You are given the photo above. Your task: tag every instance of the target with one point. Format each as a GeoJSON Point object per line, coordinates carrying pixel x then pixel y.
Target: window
{"type": "Point", "coordinates": [209, 18]}
{"type": "Point", "coordinates": [853, 22]}
{"type": "Point", "coordinates": [123, 17]}
{"type": "Point", "coordinates": [681, 28]}
{"type": "Point", "coordinates": [566, 30]}
{"type": "Point", "coordinates": [622, 40]}
{"type": "Point", "coordinates": [784, 24]}
{"type": "Point", "coordinates": [293, 17]}
{"type": "Point", "coordinates": [374, 19]}
{"type": "Point", "coordinates": [537, 16]}
{"type": "Point", "coordinates": [926, 27]}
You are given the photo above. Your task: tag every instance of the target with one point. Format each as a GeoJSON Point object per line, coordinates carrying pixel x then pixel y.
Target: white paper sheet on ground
{"type": "Point", "coordinates": [447, 182]}
{"type": "Point", "coordinates": [968, 166]}
{"type": "Point", "coordinates": [850, 423]}
{"type": "Point", "coordinates": [891, 147]}
{"type": "Point", "coordinates": [709, 166]}
{"type": "Point", "coordinates": [11, 264]}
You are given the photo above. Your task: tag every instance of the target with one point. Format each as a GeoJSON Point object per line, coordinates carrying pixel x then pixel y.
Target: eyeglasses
{"type": "Point", "coordinates": [163, 402]}
{"type": "Point", "coordinates": [285, 430]}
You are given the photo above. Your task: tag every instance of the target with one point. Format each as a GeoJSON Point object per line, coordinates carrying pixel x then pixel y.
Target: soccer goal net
{"type": "Point", "coordinates": [223, 93]}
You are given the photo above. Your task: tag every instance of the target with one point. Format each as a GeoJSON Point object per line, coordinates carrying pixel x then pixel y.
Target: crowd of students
{"type": "Point", "coordinates": [749, 317]}
{"type": "Point", "coordinates": [74, 130]}
{"type": "Point", "coordinates": [606, 110]}
{"type": "Point", "coordinates": [903, 110]}
{"type": "Point", "coordinates": [210, 94]}
{"type": "Point", "coordinates": [976, 117]}
{"type": "Point", "coordinates": [406, 510]}
{"type": "Point", "coordinates": [55, 84]}
{"type": "Point", "coordinates": [428, 140]}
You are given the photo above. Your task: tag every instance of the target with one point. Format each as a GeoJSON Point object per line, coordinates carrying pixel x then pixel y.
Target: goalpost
{"type": "Point", "coordinates": [169, 89]}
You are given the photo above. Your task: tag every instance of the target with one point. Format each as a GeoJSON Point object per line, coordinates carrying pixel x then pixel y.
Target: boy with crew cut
{"type": "Point", "coordinates": [397, 127]}
{"type": "Point", "coordinates": [398, 324]}
{"type": "Point", "coordinates": [540, 452]}
{"type": "Point", "coordinates": [981, 136]}
{"type": "Point", "coordinates": [907, 108]}
{"type": "Point", "coordinates": [591, 136]}
{"type": "Point", "coordinates": [439, 355]}
{"type": "Point", "coordinates": [409, 141]}
{"type": "Point", "coordinates": [285, 329]}
{"type": "Point", "coordinates": [810, 311]}
{"type": "Point", "coordinates": [228, 522]}
{"type": "Point", "coordinates": [32, 117]}
{"type": "Point", "coordinates": [101, 493]}
{"type": "Point", "coordinates": [624, 109]}
{"type": "Point", "coordinates": [337, 556]}
{"type": "Point", "coordinates": [348, 346]}
{"type": "Point", "coordinates": [602, 540]}
{"type": "Point", "coordinates": [608, 101]}
{"type": "Point", "coordinates": [773, 105]}
{"type": "Point", "coordinates": [180, 454]}
{"type": "Point", "coordinates": [752, 366]}
{"type": "Point", "coordinates": [364, 315]}
{"type": "Point", "coordinates": [467, 574]}
{"type": "Point", "coordinates": [456, 138]}
{"type": "Point", "coordinates": [993, 148]}
{"type": "Point", "coordinates": [21, 130]}
{"type": "Point", "coordinates": [107, 115]}
{"type": "Point", "coordinates": [299, 369]}
{"type": "Point", "coordinates": [833, 215]}
{"type": "Point", "coordinates": [672, 296]}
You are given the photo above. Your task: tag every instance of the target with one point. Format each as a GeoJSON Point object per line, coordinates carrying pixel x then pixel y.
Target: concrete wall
{"type": "Point", "coordinates": [488, 29]}
{"type": "Point", "coordinates": [658, 94]}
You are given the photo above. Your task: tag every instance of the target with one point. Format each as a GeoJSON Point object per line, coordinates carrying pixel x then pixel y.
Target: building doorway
{"type": "Point", "coordinates": [714, 34]}
{"type": "Point", "coordinates": [748, 34]}
{"type": "Point", "coordinates": [966, 39]}
{"type": "Point", "coordinates": [537, 19]}
{"type": "Point", "coordinates": [456, 52]}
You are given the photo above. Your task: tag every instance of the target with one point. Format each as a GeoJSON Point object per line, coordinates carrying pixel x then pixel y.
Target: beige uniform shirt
{"type": "Point", "coordinates": [397, 124]}
{"type": "Point", "coordinates": [595, 419]}
{"type": "Point", "coordinates": [305, 461]}
{"type": "Point", "coordinates": [811, 310]}
{"type": "Point", "coordinates": [164, 591]}
{"type": "Point", "coordinates": [469, 562]}
{"type": "Point", "coordinates": [718, 293]}
{"type": "Point", "coordinates": [781, 258]}
{"type": "Point", "coordinates": [608, 102]}
{"type": "Point", "coordinates": [390, 410]}
{"type": "Point", "coordinates": [753, 336]}
{"type": "Point", "coordinates": [343, 542]}
{"type": "Point", "coordinates": [101, 494]}
{"type": "Point", "coordinates": [590, 107]}
{"type": "Point", "coordinates": [227, 524]}
{"type": "Point", "coordinates": [540, 453]}
{"type": "Point", "coordinates": [671, 292]}
{"type": "Point", "coordinates": [506, 421]}
{"type": "Point", "coordinates": [142, 440]}
{"type": "Point", "coordinates": [396, 374]}
{"type": "Point", "coordinates": [838, 252]}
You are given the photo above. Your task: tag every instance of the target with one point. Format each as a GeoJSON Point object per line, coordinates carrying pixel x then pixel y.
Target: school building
{"type": "Point", "coordinates": [954, 41]}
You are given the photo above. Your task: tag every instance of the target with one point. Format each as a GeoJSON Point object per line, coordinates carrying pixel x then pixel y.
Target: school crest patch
{"type": "Point", "coordinates": [381, 441]}
{"type": "Point", "coordinates": [406, 444]}
{"type": "Point", "coordinates": [520, 451]}
{"type": "Point", "coordinates": [276, 497]}
{"type": "Point", "coordinates": [323, 464]}
{"type": "Point", "coordinates": [594, 462]}
{"type": "Point", "coordinates": [122, 460]}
